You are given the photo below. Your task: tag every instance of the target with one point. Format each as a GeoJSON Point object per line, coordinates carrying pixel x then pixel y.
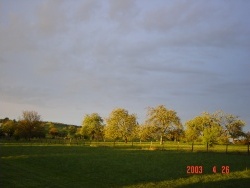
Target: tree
{"type": "Point", "coordinates": [111, 132]}
{"type": "Point", "coordinates": [53, 131]}
{"type": "Point", "coordinates": [175, 134]}
{"type": "Point", "coordinates": [120, 125]}
{"type": "Point", "coordinates": [231, 125]}
{"type": "Point", "coordinates": [234, 127]}
{"type": "Point", "coordinates": [211, 129]}
{"type": "Point", "coordinates": [163, 120]}
{"type": "Point", "coordinates": [8, 128]}
{"type": "Point", "coordinates": [205, 126]}
{"type": "Point", "coordinates": [63, 132]}
{"type": "Point", "coordinates": [30, 126]}
{"type": "Point", "coordinates": [1, 131]}
{"type": "Point", "coordinates": [92, 127]}
{"type": "Point", "coordinates": [4, 120]}
{"type": "Point", "coordinates": [78, 133]}
{"type": "Point", "coordinates": [247, 137]}
{"type": "Point", "coordinates": [135, 133]}
{"type": "Point", "coordinates": [146, 132]}
{"type": "Point", "coordinates": [193, 129]}
{"type": "Point", "coordinates": [72, 131]}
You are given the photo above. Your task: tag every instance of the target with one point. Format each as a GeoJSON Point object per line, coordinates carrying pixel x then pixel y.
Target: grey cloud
{"type": "Point", "coordinates": [124, 15]}
{"type": "Point", "coordinates": [19, 31]}
{"type": "Point", "coordinates": [171, 68]}
{"type": "Point", "coordinates": [49, 65]}
{"type": "Point", "coordinates": [220, 37]}
{"type": "Point", "coordinates": [15, 36]}
{"type": "Point", "coordinates": [237, 89]}
{"type": "Point", "coordinates": [184, 14]}
{"type": "Point", "coordinates": [121, 8]}
{"type": "Point", "coordinates": [25, 95]}
{"type": "Point", "coordinates": [51, 18]}
{"type": "Point", "coordinates": [96, 56]}
{"type": "Point", "coordinates": [207, 23]}
{"type": "Point", "coordinates": [166, 17]}
{"type": "Point", "coordinates": [88, 9]}
{"type": "Point", "coordinates": [2, 60]}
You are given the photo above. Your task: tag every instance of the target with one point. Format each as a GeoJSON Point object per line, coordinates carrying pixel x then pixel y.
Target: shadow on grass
{"type": "Point", "coordinates": [236, 179]}
{"type": "Point", "coordinates": [244, 182]}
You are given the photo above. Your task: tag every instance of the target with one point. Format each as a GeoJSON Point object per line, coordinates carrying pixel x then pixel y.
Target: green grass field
{"type": "Point", "coordinates": [26, 165]}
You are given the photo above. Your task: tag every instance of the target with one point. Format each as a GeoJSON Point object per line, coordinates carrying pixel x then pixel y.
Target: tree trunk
{"type": "Point", "coordinates": [192, 146]}
{"type": "Point", "coordinates": [161, 141]}
{"type": "Point", "coordinates": [207, 146]}
{"type": "Point", "coordinates": [226, 147]}
{"type": "Point", "coordinates": [248, 148]}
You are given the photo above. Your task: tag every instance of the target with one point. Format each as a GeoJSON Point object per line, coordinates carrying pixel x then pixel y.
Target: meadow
{"type": "Point", "coordinates": [123, 165]}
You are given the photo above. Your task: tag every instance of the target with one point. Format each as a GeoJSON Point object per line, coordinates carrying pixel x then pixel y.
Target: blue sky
{"type": "Point", "coordinates": [65, 59]}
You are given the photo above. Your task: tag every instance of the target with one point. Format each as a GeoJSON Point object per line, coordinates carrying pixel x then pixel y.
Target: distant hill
{"type": "Point", "coordinates": [4, 120]}
{"type": "Point", "coordinates": [56, 124]}
{"type": "Point", "coordinates": [59, 125]}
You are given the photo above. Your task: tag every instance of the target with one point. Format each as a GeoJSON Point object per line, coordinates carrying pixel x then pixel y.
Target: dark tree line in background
{"type": "Point", "coordinates": [30, 126]}
{"type": "Point", "coordinates": [161, 124]}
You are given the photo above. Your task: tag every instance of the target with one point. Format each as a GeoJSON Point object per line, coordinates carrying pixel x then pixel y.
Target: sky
{"type": "Point", "coordinates": [66, 59]}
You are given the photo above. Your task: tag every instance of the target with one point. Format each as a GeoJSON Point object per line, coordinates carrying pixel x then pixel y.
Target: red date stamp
{"type": "Point", "coordinates": [194, 169]}
{"type": "Point", "coordinates": [224, 169]}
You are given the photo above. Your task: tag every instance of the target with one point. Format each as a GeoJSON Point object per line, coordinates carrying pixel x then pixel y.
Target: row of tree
{"type": "Point", "coordinates": [164, 124]}
{"type": "Point", "coordinates": [161, 124]}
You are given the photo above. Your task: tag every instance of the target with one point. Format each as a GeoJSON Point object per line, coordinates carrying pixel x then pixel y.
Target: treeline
{"type": "Point", "coordinates": [161, 124]}
{"type": "Point", "coordinates": [30, 126]}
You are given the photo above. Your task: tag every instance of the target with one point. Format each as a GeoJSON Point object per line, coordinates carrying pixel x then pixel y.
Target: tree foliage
{"type": "Point", "coordinates": [214, 128]}
{"type": "Point", "coordinates": [145, 132]}
{"type": "Point", "coordinates": [231, 125]}
{"type": "Point", "coordinates": [120, 125]}
{"type": "Point", "coordinates": [163, 120]}
{"type": "Point", "coordinates": [8, 128]}
{"type": "Point", "coordinates": [193, 128]}
{"type": "Point", "coordinates": [30, 126]}
{"type": "Point", "coordinates": [72, 131]}
{"type": "Point", "coordinates": [92, 127]}
{"type": "Point", "coordinates": [53, 131]}
{"type": "Point", "coordinates": [161, 123]}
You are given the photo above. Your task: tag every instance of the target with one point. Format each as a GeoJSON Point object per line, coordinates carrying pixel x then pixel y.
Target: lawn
{"type": "Point", "coordinates": [99, 166]}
